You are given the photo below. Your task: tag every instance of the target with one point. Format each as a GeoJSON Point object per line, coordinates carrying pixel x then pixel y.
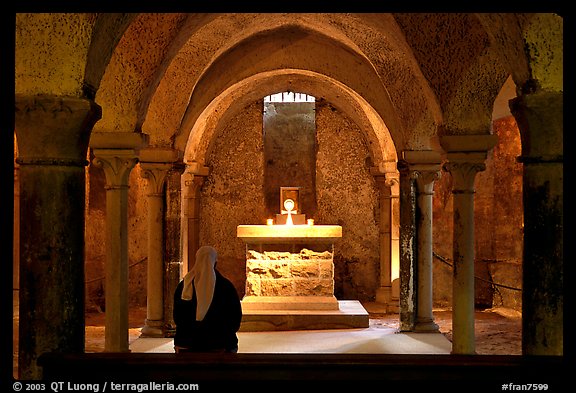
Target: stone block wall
{"type": "Point", "coordinates": [273, 273]}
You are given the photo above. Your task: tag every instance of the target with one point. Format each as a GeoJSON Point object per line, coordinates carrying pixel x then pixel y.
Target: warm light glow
{"type": "Point", "coordinates": [268, 234]}
{"type": "Point", "coordinates": [289, 205]}
{"type": "Point", "coordinates": [269, 221]}
{"type": "Point", "coordinates": [395, 273]}
{"type": "Point", "coordinates": [310, 221]}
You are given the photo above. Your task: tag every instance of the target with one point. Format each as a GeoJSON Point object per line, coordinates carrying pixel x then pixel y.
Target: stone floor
{"type": "Point", "coordinates": [498, 331]}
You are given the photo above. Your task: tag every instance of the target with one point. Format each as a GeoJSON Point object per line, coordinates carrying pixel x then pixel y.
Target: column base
{"type": "Point", "coordinates": [425, 326]}
{"type": "Point", "coordinates": [152, 329]}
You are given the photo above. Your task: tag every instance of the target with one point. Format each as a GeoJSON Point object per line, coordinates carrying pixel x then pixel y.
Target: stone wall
{"type": "Point", "coordinates": [348, 196]}
{"type": "Point", "coordinates": [232, 194]}
{"type": "Point", "coordinates": [273, 273]}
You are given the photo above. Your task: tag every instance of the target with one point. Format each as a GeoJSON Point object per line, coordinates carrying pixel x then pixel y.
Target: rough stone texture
{"type": "Point", "coordinates": [306, 273]}
{"type": "Point", "coordinates": [508, 275]}
{"type": "Point", "coordinates": [347, 195]}
{"type": "Point", "coordinates": [141, 50]}
{"type": "Point", "coordinates": [43, 40]}
{"type": "Point", "coordinates": [232, 194]}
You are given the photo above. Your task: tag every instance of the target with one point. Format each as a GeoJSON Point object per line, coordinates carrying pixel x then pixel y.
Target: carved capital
{"type": "Point", "coordinates": [463, 174]}
{"type": "Point", "coordinates": [116, 166]}
{"type": "Point", "coordinates": [54, 130]}
{"type": "Point", "coordinates": [192, 180]}
{"type": "Point", "coordinates": [425, 181]}
{"type": "Point", "coordinates": [155, 178]}
{"type": "Point", "coordinates": [388, 179]}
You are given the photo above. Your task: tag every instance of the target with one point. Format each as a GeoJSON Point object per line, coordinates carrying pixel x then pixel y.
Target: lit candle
{"type": "Point", "coordinates": [269, 221]}
{"type": "Point", "coordinates": [310, 221]}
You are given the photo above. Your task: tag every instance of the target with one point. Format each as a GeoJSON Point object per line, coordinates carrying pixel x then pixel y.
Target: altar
{"type": "Point", "coordinates": [290, 276]}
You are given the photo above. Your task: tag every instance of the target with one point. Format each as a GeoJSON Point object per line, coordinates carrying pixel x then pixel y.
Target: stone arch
{"type": "Point", "coordinates": [107, 31]}
{"type": "Point", "coordinates": [298, 44]}
{"type": "Point", "coordinates": [382, 147]}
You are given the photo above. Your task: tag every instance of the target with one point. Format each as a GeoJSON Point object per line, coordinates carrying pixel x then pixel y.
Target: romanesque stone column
{"type": "Point", "coordinates": [52, 134]}
{"type": "Point", "coordinates": [386, 181]}
{"type": "Point", "coordinates": [407, 247]}
{"type": "Point", "coordinates": [155, 164]}
{"type": "Point", "coordinates": [192, 180]}
{"type": "Point", "coordinates": [16, 231]}
{"type": "Point", "coordinates": [540, 120]}
{"type": "Point", "coordinates": [116, 153]}
{"type": "Point", "coordinates": [426, 175]}
{"type": "Point", "coordinates": [466, 156]}
{"type": "Point", "coordinates": [423, 168]}
{"type": "Point", "coordinates": [172, 244]}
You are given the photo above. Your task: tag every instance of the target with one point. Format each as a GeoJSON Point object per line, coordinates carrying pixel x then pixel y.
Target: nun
{"type": "Point", "coordinates": [207, 310]}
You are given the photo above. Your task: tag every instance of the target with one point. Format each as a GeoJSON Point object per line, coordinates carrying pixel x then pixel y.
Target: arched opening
{"type": "Point", "coordinates": [289, 143]}
{"type": "Point", "coordinates": [349, 152]}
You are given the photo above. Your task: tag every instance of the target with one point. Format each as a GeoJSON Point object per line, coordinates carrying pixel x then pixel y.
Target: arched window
{"type": "Point", "coordinates": [289, 139]}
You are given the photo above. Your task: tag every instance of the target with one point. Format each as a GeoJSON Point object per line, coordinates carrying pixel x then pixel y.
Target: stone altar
{"type": "Point", "coordinates": [290, 279]}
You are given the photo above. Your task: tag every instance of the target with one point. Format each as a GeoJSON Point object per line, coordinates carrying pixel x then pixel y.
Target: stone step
{"type": "Point", "coordinates": [349, 315]}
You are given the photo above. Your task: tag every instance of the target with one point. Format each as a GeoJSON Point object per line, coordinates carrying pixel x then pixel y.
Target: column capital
{"type": "Point", "coordinates": [117, 164]}
{"type": "Point", "coordinates": [54, 130]}
{"type": "Point", "coordinates": [463, 174]}
{"type": "Point", "coordinates": [425, 180]}
{"type": "Point", "coordinates": [155, 175]}
{"type": "Point", "coordinates": [117, 154]}
{"type": "Point", "coordinates": [466, 156]}
{"type": "Point", "coordinates": [385, 179]}
{"type": "Point", "coordinates": [424, 166]}
{"type": "Point", "coordinates": [193, 178]}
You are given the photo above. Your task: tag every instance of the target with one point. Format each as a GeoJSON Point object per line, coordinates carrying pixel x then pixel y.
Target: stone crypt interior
{"type": "Point", "coordinates": [403, 162]}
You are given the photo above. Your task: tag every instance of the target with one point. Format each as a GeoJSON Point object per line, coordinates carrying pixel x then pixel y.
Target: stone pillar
{"type": "Point", "coordinates": [418, 169]}
{"type": "Point", "coordinates": [426, 174]}
{"type": "Point", "coordinates": [155, 164]}
{"type": "Point", "coordinates": [172, 244]}
{"type": "Point", "coordinates": [466, 156]}
{"type": "Point", "coordinates": [407, 247]}
{"type": "Point", "coordinates": [540, 120]}
{"type": "Point", "coordinates": [386, 182]}
{"type": "Point", "coordinates": [116, 153]}
{"type": "Point", "coordinates": [192, 180]}
{"type": "Point", "coordinates": [16, 231]}
{"type": "Point", "coordinates": [52, 134]}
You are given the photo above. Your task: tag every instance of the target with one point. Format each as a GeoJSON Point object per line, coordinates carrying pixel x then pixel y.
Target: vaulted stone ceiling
{"type": "Point", "coordinates": [404, 78]}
